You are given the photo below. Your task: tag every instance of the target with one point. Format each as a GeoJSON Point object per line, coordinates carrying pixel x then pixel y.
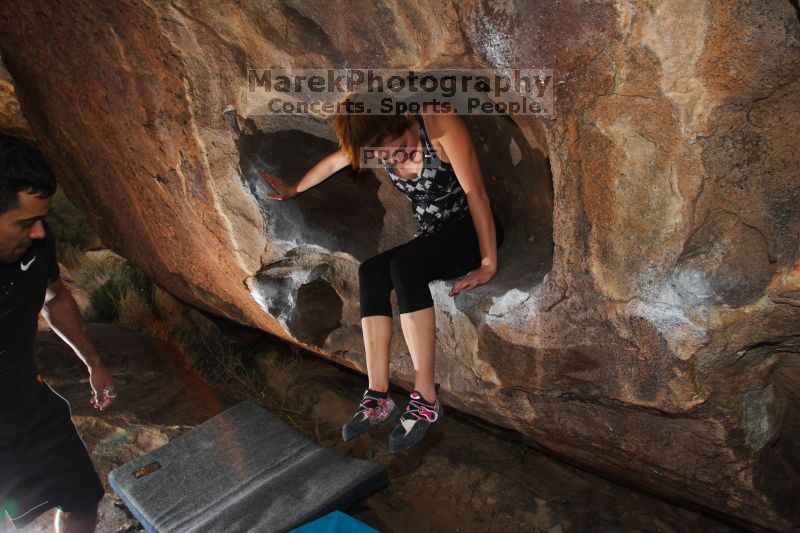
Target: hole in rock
{"type": "Point", "coordinates": [339, 214]}
{"type": "Point", "coordinates": [775, 428]}
{"type": "Point", "coordinates": [516, 169]}
{"type": "Point", "coordinates": [304, 299]}
{"type": "Point", "coordinates": [342, 214]}
{"type": "Point", "coordinates": [317, 312]}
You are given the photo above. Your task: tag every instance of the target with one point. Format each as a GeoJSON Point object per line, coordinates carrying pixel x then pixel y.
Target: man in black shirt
{"type": "Point", "coordinates": [43, 462]}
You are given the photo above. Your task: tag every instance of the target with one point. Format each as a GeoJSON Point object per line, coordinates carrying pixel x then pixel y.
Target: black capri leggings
{"type": "Point", "coordinates": [448, 253]}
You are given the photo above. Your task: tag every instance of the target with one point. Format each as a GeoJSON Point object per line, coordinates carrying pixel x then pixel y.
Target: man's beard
{"type": "Point", "coordinates": [9, 259]}
{"type": "Point", "coordinates": [13, 256]}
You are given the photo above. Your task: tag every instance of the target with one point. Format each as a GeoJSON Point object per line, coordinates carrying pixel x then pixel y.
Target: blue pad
{"type": "Point", "coordinates": [335, 522]}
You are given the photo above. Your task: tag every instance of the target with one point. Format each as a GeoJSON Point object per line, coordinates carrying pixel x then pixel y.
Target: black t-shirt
{"type": "Point", "coordinates": [22, 290]}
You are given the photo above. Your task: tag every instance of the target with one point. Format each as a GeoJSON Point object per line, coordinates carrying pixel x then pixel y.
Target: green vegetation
{"type": "Point", "coordinates": [117, 292]}
{"type": "Point", "coordinates": [70, 225]}
{"type": "Point", "coordinates": [125, 287]}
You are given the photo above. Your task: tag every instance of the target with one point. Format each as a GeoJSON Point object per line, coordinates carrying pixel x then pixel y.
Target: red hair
{"type": "Point", "coordinates": [358, 130]}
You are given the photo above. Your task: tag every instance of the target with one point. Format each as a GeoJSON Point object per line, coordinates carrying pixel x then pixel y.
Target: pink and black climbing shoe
{"type": "Point", "coordinates": [414, 422]}
{"type": "Point", "coordinates": [376, 408]}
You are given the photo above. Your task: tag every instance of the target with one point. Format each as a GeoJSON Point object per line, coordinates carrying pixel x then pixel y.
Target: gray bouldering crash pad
{"type": "Point", "coordinates": [243, 470]}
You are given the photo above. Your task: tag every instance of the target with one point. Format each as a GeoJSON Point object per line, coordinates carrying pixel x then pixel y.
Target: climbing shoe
{"type": "Point", "coordinates": [414, 422]}
{"type": "Point", "coordinates": [375, 409]}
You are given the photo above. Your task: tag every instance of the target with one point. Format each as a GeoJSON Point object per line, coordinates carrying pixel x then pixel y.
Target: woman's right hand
{"type": "Point", "coordinates": [283, 191]}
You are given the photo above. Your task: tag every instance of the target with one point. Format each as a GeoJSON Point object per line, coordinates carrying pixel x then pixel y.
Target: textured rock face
{"type": "Point", "coordinates": [11, 120]}
{"type": "Point", "coordinates": [646, 317]}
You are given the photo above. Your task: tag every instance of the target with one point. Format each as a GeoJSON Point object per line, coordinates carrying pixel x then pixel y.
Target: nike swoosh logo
{"type": "Point", "coordinates": [24, 266]}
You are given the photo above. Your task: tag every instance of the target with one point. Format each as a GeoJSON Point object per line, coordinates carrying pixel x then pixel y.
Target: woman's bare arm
{"type": "Point", "coordinates": [455, 139]}
{"type": "Point", "coordinates": [323, 170]}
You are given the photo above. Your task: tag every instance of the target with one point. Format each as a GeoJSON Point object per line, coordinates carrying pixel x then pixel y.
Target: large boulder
{"type": "Point", "coordinates": [12, 122]}
{"type": "Point", "coordinates": [645, 321]}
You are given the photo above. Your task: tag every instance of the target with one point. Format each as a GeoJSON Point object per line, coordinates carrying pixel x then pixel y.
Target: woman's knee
{"type": "Point", "coordinates": [410, 281]}
{"type": "Point", "coordinates": [367, 266]}
{"type": "Point", "coordinates": [371, 269]}
{"type": "Point", "coordinates": [413, 258]}
{"type": "Point", "coordinates": [404, 267]}
{"type": "Point", "coordinates": [375, 285]}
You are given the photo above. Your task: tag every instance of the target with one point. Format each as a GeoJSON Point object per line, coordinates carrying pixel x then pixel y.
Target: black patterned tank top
{"type": "Point", "coordinates": [436, 196]}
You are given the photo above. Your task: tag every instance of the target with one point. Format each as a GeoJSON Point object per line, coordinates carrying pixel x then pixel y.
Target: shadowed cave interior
{"type": "Point", "coordinates": [348, 214]}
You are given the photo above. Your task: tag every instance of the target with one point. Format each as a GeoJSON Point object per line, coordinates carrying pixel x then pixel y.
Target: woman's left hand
{"type": "Point", "coordinates": [479, 276]}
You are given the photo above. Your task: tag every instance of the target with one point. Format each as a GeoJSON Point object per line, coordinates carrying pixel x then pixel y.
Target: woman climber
{"type": "Point", "coordinates": [431, 159]}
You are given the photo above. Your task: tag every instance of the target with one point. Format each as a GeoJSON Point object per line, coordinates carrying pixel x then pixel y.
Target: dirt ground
{"type": "Point", "coordinates": [462, 478]}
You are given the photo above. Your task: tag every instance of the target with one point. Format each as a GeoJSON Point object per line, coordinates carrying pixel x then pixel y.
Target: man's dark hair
{"type": "Point", "coordinates": [22, 169]}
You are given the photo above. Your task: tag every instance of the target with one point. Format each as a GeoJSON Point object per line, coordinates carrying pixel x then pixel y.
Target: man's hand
{"type": "Point", "coordinates": [479, 276]}
{"type": "Point", "coordinates": [64, 317]}
{"type": "Point", "coordinates": [282, 190]}
{"type": "Point", "coordinates": [103, 388]}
